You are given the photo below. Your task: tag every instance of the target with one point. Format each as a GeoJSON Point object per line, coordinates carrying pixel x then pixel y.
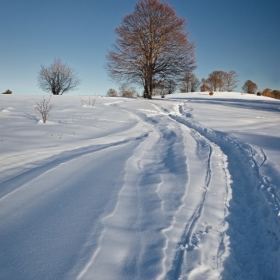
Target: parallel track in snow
{"type": "Point", "coordinates": [185, 243]}
{"type": "Point", "coordinates": [168, 199]}
{"type": "Point", "coordinates": [11, 185]}
{"type": "Point", "coordinates": [253, 237]}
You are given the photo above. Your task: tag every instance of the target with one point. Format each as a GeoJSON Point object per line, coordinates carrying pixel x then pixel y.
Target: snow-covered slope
{"type": "Point", "coordinates": [185, 187]}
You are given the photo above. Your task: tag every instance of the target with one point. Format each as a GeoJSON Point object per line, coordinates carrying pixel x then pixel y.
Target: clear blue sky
{"type": "Point", "coordinates": [240, 35]}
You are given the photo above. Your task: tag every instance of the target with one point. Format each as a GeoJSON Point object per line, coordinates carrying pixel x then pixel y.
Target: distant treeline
{"type": "Point", "coordinates": [270, 93]}
{"type": "Point", "coordinates": [223, 81]}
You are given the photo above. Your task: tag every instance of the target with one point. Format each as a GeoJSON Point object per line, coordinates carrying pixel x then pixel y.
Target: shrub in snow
{"type": "Point", "coordinates": [88, 102]}
{"type": "Point", "coordinates": [44, 107]}
{"type": "Point", "coordinates": [211, 93]}
{"type": "Point", "coordinates": [127, 91]}
{"type": "Point", "coordinates": [7, 92]}
{"type": "Point", "coordinates": [271, 93]}
{"type": "Point", "coordinates": [112, 93]}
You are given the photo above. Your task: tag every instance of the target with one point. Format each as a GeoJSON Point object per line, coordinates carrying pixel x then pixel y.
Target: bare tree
{"type": "Point", "coordinates": [44, 107]}
{"type": "Point", "coordinates": [159, 89]}
{"type": "Point", "coordinates": [127, 91]}
{"type": "Point", "coordinates": [112, 93]}
{"type": "Point", "coordinates": [190, 83]}
{"type": "Point", "coordinates": [152, 46]}
{"type": "Point", "coordinates": [205, 85]}
{"type": "Point", "coordinates": [170, 86]}
{"type": "Point", "coordinates": [216, 80]}
{"type": "Point", "coordinates": [250, 87]}
{"type": "Point", "coordinates": [220, 80]}
{"type": "Point", "coordinates": [230, 80]}
{"type": "Point", "coordinates": [57, 78]}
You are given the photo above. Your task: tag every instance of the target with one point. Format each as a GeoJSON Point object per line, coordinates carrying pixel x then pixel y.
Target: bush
{"type": "Point", "coordinates": [44, 107]}
{"type": "Point", "coordinates": [7, 92]}
{"type": "Point", "coordinates": [112, 93]}
{"type": "Point", "coordinates": [88, 102]}
{"type": "Point", "coordinates": [127, 91]}
{"type": "Point", "coordinates": [271, 93]}
{"type": "Point", "coordinates": [276, 94]}
{"type": "Point", "coordinates": [211, 93]}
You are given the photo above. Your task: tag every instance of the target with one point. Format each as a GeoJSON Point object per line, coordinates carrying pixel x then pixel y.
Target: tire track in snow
{"type": "Point", "coordinates": [52, 225]}
{"type": "Point", "coordinates": [122, 227]}
{"type": "Point", "coordinates": [251, 243]}
{"type": "Point", "coordinates": [12, 185]}
{"type": "Point", "coordinates": [200, 244]}
{"type": "Point", "coordinates": [185, 243]}
{"type": "Point", "coordinates": [152, 197]}
{"type": "Point", "coordinates": [193, 235]}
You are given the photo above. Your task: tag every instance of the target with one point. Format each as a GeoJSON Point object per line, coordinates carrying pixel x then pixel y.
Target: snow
{"type": "Point", "coordinates": [185, 187]}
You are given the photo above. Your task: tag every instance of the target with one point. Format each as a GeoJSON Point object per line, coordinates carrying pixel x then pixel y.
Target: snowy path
{"type": "Point", "coordinates": [167, 224]}
{"type": "Point", "coordinates": [141, 190]}
{"type": "Point", "coordinates": [253, 224]}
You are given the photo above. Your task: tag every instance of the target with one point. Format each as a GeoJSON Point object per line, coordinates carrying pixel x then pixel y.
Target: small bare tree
{"type": "Point", "coordinates": [216, 80]}
{"type": "Point", "coordinates": [190, 83]}
{"type": "Point", "coordinates": [205, 85]}
{"type": "Point", "coordinates": [112, 93]}
{"type": "Point", "coordinates": [57, 78]}
{"type": "Point", "coordinates": [127, 91]}
{"type": "Point", "coordinates": [170, 86]}
{"type": "Point", "coordinates": [220, 80]}
{"type": "Point", "coordinates": [250, 87]}
{"type": "Point", "coordinates": [44, 107]}
{"type": "Point", "coordinates": [230, 80]}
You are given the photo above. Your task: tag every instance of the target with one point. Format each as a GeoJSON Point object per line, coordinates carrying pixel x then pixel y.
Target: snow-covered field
{"type": "Point", "coordinates": [185, 187]}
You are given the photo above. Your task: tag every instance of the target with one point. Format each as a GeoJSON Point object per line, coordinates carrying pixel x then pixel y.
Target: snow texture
{"type": "Point", "coordinates": [186, 187]}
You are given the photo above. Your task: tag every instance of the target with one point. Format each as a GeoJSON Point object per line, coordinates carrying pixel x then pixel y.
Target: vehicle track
{"type": "Point", "coordinates": [252, 239]}
{"type": "Point", "coordinates": [11, 185]}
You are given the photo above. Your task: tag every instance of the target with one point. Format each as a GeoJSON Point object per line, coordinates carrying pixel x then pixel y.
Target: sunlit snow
{"type": "Point", "coordinates": [185, 187]}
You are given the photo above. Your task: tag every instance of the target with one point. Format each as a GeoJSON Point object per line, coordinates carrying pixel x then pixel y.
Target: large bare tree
{"type": "Point", "coordinates": [152, 47]}
{"type": "Point", "coordinates": [57, 78]}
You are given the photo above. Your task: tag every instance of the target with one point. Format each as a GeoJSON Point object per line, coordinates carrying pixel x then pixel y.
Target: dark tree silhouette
{"type": "Point", "coordinates": [152, 47]}
{"type": "Point", "coordinates": [57, 78]}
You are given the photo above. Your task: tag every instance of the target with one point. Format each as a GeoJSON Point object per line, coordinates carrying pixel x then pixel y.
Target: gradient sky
{"type": "Point", "coordinates": [240, 35]}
